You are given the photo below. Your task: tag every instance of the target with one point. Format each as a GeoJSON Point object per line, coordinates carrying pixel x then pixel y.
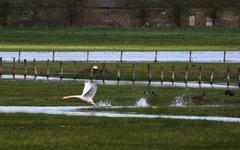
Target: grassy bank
{"type": "Point", "coordinates": [28, 131]}
{"type": "Point", "coordinates": [119, 39]}
{"type": "Point", "coordinates": [81, 70]}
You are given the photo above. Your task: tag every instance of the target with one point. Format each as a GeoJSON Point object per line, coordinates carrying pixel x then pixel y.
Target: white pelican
{"type": "Point", "coordinates": [89, 90]}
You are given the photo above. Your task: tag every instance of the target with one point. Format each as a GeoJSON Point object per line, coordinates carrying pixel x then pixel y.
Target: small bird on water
{"type": "Point", "coordinates": [89, 91]}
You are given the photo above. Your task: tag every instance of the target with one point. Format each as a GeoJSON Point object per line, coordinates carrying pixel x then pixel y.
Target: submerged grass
{"type": "Point", "coordinates": [119, 39]}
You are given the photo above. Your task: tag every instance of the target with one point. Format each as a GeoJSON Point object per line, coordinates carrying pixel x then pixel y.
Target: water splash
{"type": "Point", "coordinates": [104, 104]}
{"type": "Point", "coordinates": [142, 102]}
{"type": "Point", "coordinates": [181, 101]}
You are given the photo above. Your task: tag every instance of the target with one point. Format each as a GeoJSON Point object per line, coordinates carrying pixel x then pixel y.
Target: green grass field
{"type": "Point", "coordinates": [119, 39]}
{"type": "Point", "coordinates": [28, 131]}
{"type": "Point", "coordinates": [39, 131]}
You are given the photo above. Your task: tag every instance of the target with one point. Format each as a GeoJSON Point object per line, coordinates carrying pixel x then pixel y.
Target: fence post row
{"type": "Point", "coordinates": [1, 68]}
{"type": "Point", "coordinates": [13, 68]}
{"type": "Point", "coordinates": [25, 69]}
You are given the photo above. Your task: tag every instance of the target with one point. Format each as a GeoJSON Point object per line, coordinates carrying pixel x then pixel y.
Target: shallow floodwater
{"type": "Point", "coordinates": [76, 111]}
{"type": "Point", "coordinates": [161, 56]}
{"type": "Point", "coordinates": [190, 84]}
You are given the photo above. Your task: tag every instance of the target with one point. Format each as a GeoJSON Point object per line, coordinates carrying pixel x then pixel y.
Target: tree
{"type": "Point", "coordinates": [176, 9]}
{"type": "Point", "coordinates": [4, 8]}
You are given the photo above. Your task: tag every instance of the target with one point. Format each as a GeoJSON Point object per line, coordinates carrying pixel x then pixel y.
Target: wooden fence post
{"type": "Point", "coordinates": [133, 74]}
{"type": "Point", "coordinates": [121, 56]}
{"type": "Point", "coordinates": [91, 73]}
{"type": "Point", "coordinates": [149, 75]}
{"type": "Point", "coordinates": [48, 70]}
{"type": "Point", "coordinates": [186, 74]}
{"type": "Point", "coordinates": [103, 73]}
{"type": "Point", "coordinates": [212, 76]}
{"type": "Point", "coordinates": [190, 56]}
{"type": "Point", "coordinates": [173, 74]}
{"type": "Point", "coordinates": [224, 56]}
{"type": "Point", "coordinates": [1, 68]}
{"type": "Point", "coordinates": [118, 74]}
{"type": "Point", "coordinates": [239, 77]}
{"type": "Point", "coordinates": [25, 69]}
{"type": "Point", "coordinates": [75, 71]}
{"type": "Point", "coordinates": [19, 56]}
{"type": "Point", "coordinates": [87, 56]}
{"type": "Point", "coordinates": [34, 68]}
{"type": "Point", "coordinates": [200, 75]}
{"type": "Point", "coordinates": [156, 53]}
{"type": "Point", "coordinates": [161, 74]}
{"type": "Point", "coordinates": [53, 56]}
{"type": "Point", "coordinates": [13, 68]}
{"type": "Point", "coordinates": [61, 70]}
{"type": "Point", "coordinates": [228, 76]}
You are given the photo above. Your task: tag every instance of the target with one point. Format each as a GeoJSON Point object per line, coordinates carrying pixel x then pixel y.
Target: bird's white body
{"type": "Point", "coordinates": [88, 93]}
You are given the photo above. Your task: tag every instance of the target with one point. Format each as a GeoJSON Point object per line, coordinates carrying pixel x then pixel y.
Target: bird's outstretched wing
{"type": "Point", "coordinates": [89, 90]}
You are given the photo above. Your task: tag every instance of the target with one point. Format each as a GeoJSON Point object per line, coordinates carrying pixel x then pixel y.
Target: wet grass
{"type": "Point", "coordinates": [48, 93]}
{"type": "Point", "coordinates": [81, 70]}
{"type": "Point", "coordinates": [38, 131]}
{"type": "Point", "coordinates": [119, 39]}
{"type": "Point", "coordinates": [31, 131]}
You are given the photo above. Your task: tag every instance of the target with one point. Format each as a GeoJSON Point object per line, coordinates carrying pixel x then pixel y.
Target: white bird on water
{"type": "Point", "coordinates": [89, 91]}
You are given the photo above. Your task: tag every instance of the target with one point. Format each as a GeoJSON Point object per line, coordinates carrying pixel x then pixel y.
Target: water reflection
{"type": "Point", "coordinates": [160, 56]}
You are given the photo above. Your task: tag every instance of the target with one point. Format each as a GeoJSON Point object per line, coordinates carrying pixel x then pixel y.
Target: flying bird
{"type": "Point", "coordinates": [89, 91]}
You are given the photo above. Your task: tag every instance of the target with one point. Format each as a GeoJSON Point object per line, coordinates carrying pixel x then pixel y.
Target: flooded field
{"type": "Point", "coordinates": [82, 111]}
{"type": "Point", "coordinates": [128, 56]}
